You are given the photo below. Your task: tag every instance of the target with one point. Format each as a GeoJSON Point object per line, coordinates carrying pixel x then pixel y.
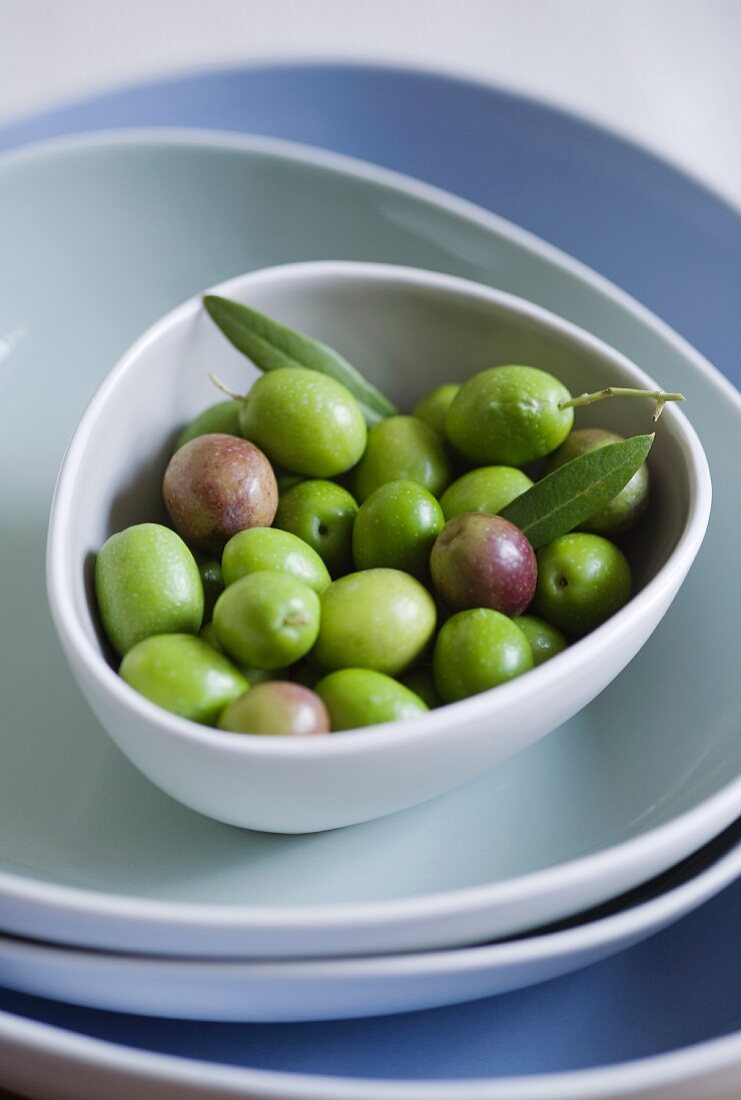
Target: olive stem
{"type": "Point", "coordinates": [224, 388]}
{"type": "Point", "coordinates": [659, 396]}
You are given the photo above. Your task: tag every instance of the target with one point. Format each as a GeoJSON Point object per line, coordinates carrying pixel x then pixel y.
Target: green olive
{"type": "Point", "coordinates": [207, 634]}
{"type": "Point", "coordinates": [252, 675]}
{"type": "Point", "coordinates": [488, 489]}
{"type": "Point", "coordinates": [222, 418]}
{"type": "Point", "coordinates": [147, 582]}
{"type": "Point", "coordinates": [322, 514]}
{"type": "Point", "coordinates": [357, 697]}
{"type": "Point", "coordinates": [433, 407]}
{"type": "Point", "coordinates": [509, 416]}
{"type": "Point", "coordinates": [402, 447]}
{"type": "Point", "coordinates": [545, 640]}
{"type": "Point", "coordinates": [267, 620]}
{"type": "Point", "coordinates": [380, 619]}
{"type": "Point", "coordinates": [625, 509]}
{"type": "Point", "coordinates": [305, 421]}
{"type": "Point", "coordinates": [421, 680]}
{"type": "Point", "coordinates": [477, 650]}
{"type": "Point", "coordinates": [396, 527]}
{"type": "Point", "coordinates": [213, 584]}
{"type": "Point", "coordinates": [184, 675]}
{"type": "Point", "coordinates": [255, 676]}
{"type": "Point", "coordinates": [265, 548]}
{"type": "Point", "coordinates": [582, 580]}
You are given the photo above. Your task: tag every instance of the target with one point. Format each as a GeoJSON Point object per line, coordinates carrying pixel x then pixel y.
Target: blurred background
{"type": "Point", "coordinates": [666, 73]}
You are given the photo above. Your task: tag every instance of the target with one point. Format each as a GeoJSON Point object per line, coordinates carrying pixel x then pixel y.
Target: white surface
{"type": "Point", "coordinates": [326, 989]}
{"type": "Point", "coordinates": [665, 72]}
{"type": "Point", "coordinates": [369, 773]}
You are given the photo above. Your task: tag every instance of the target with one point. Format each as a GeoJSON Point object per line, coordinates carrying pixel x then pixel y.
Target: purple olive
{"type": "Point", "coordinates": [276, 707]}
{"type": "Point", "coordinates": [217, 485]}
{"type": "Point", "coordinates": [480, 560]}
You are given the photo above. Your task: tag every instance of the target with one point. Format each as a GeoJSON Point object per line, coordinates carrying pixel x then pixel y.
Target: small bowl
{"type": "Point", "coordinates": [407, 330]}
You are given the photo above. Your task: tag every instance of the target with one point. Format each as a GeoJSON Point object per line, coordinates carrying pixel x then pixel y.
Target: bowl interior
{"type": "Point", "coordinates": [406, 331]}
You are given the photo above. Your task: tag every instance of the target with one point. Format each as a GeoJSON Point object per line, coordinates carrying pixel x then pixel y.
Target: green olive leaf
{"type": "Point", "coordinates": [575, 491]}
{"type": "Point", "coordinates": [270, 345]}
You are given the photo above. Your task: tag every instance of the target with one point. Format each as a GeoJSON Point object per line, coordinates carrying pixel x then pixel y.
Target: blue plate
{"type": "Point", "coordinates": [671, 244]}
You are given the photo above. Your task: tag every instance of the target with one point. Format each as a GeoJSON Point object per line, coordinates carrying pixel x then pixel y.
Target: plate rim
{"type": "Point", "coordinates": [671, 904]}
{"type": "Point", "coordinates": [713, 813]}
{"type": "Point", "coordinates": [136, 1065]}
{"type": "Point", "coordinates": [362, 64]}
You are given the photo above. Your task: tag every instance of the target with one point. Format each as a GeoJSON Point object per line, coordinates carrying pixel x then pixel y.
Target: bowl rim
{"type": "Point", "coordinates": [436, 723]}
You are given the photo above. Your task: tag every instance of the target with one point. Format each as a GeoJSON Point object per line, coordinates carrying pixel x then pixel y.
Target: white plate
{"type": "Point", "coordinates": [92, 854]}
{"type": "Point", "coordinates": [48, 1063]}
{"type": "Point", "coordinates": [326, 989]}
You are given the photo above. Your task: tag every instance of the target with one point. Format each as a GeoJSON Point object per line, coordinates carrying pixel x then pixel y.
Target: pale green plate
{"type": "Point", "coordinates": [99, 238]}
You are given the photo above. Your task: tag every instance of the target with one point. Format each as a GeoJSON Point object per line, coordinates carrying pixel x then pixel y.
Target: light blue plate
{"type": "Point", "coordinates": [666, 240]}
{"type": "Point", "coordinates": [137, 224]}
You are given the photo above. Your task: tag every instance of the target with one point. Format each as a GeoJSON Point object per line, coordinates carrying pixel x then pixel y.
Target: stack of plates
{"type": "Point", "coordinates": [114, 897]}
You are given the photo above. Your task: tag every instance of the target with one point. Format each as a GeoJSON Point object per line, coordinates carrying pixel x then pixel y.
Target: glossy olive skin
{"type": "Point", "coordinates": [357, 697]}
{"type": "Point", "coordinates": [267, 620]}
{"type": "Point", "coordinates": [276, 708]}
{"type": "Point", "coordinates": [322, 514]}
{"type": "Point", "coordinates": [421, 680]}
{"type": "Point", "coordinates": [266, 548]}
{"type": "Point", "coordinates": [217, 485]}
{"type": "Point", "coordinates": [253, 676]}
{"type": "Point", "coordinates": [487, 489]}
{"type": "Point", "coordinates": [433, 407]}
{"type": "Point", "coordinates": [508, 416]}
{"type": "Point", "coordinates": [308, 423]}
{"type": "Point", "coordinates": [396, 527]}
{"type": "Point", "coordinates": [582, 580]}
{"type": "Point", "coordinates": [380, 619]}
{"type": "Point", "coordinates": [221, 418]}
{"type": "Point", "coordinates": [480, 560]}
{"type": "Point", "coordinates": [625, 509]}
{"type": "Point", "coordinates": [477, 650]}
{"type": "Point", "coordinates": [406, 448]}
{"type": "Point", "coordinates": [147, 582]}
{"type": "Point", "coordinates": [183, 674]}
{"type": "Point", "coordinates": [545, 640]}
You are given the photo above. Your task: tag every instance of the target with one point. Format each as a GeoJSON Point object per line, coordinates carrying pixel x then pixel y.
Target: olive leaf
{"type": "Point", "coordinates": [575, 491]}
{"type": "Point", "coordinates": [270, 345]}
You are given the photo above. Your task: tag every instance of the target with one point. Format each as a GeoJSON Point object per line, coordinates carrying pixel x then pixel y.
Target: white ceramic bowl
{"type": "Point", "coordinates": [407, 330]}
